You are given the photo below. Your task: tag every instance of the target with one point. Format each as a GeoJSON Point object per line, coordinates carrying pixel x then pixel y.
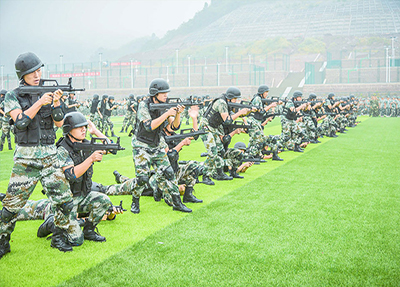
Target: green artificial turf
{"type": "Point", "coordinates": [326, 217]}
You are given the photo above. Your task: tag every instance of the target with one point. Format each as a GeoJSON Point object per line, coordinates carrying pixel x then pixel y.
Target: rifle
{"type": "Point", "coordinates": [272, 100]}
{"type": "Point", "coordinates": [241, 105]}
{"type": "Point", "coordinates": [184, 134]}
{"type": "Point", "coordinates": [117, 207]}
{"type": "Point", "coordinates": [174, 102]}
{"type": "Point", "coordinates": [93, 146]}
{"type": "Point", "coordinates": [237, 125]}
{"type": "Point", "coordinates": [255, 160]}
{"type": "Point", "coordinates": [37, 91]}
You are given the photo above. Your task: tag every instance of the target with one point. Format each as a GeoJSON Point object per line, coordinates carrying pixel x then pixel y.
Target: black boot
{"type": "Point", "coordinates": [189, 197]}
{"type": "Point", "coordinates": [221, 175]}
{"type": "Point", "coordinates": [135, 205]}
{"type": "Point", "coordinates": [178, 205]}
{"type": "Point", "coordinates": [59, 240]}
{"type": "Point", "coordinates": [117, 176]}
{"type": "Point", "coordinates": [1, 147]}
{"type": "Point", "coordinates": [112, 134]}
{"type": "Point", "coordinates": [316, 140]}
{"type": "Point", "coordinates": [2, 195]}
{"type": "Point", "coordinates": [333, 135]}
{"type": "Point", "coordinates": [89, 232]}
{"type": "Point", "coordinates": [47, 227]}
{"type": "Point", "coordinates": [9, 146]}
{"type": "Point", "coordinates": [106, 134]}
{"type": "Point", "coordinates": [157, 194]}
{"type": "Point", "coordinates": [207, 180]}
{"type": "Point", "coordinates": [4, 245]}
{"type": "Point", "coordinates": [122, 130]}
{"type": "Point", "coordinates": [276, 157]}
{"type": "Point", "coordinates": [234, 174]}
{"type": "Point", "coordinates": [297, 148]}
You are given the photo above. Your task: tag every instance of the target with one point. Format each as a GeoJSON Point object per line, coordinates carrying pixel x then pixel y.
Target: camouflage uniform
{"type": "Point", "coordinates": [374, 107]}
{"type": "Point", "coordinates": [330, 126]}
{"type": "Point", "coordinates": [92, 202]}
{"type": "Point", "coordinates": [35, 210]}
{"type": "Point", "coordinates": [126, 187]}
{"type": "Point", "coordinates": [146, 155]}
{"type": "Point", "coordinates": [257, 140]}
{"type": "Point", "coordinates": [291, 132]}
{"type": "Point", "coordinates": [5, 128]}
{"type": "Point", "coordinates": [130, 116]}
{"type": "Point", "coordinates": [212, 140]}
{"type": "Point", "coordinates": [33, 164]}
{"type": "Point", "coordinates": [94, 114]}
{"type": "Point", "coordinates": [107, 123]}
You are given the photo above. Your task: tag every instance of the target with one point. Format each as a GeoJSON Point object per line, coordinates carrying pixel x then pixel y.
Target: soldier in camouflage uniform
{"type": "Point", "coordinates": [78, 169]}
{"type": "Point", "coordinates": [149, 146]}
{"type": "Point", "coordinates": [374, 107]}
{"type": "Point", "coordinates": [215, 118]}
{"type": "Point", "coordinates": [4, 123]}
{"type": "Point", "coordinates": [258, 141]}
{"type": "Point", "coordinates": [329, 108]}
{"type": "Point", "coordinates": [292, 133]}
{"type": "Point", "coordinates": [95, 115]}
{"type": "Point", "coordinates": [130, 116]}
{"type": "Point", "coordinates": [35, 156]}
{"type": "Point", "coordinates": [107, 123]}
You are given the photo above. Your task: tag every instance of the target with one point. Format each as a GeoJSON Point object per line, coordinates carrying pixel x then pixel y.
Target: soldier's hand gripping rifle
{"type": "Point", "coordinates": [185, 133]}
{"type": "Point", "coordinates": [174, 102]}
{"type": "Point", "coordinates": [118, 208]}
{"type": "Point", "coordinates": [46, 86]}
{"type": "Point", "coordinates": [102, 145]}
{"type": "Point", "coordinates": [255, 160]}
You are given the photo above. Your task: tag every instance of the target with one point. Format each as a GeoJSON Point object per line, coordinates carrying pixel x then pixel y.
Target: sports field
{"type": "Point", "coordinates": [326, 217]}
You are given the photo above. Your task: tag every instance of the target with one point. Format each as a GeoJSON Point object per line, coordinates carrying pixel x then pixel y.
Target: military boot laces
{"type": "Point", "coordinates": [4, 245]}
{"type": "Point", "coordinates": [234, 174]}
{"type": "Point", "coordinates": [189, 197]}
{"type": "Point", "coordinates": [135, 205]}
{"type": "Point", "coordinates": [59, 240]}
{"type": "Point", "coordinates": [47, 227]}
{"type": "Point", "coordinates": [221, 175]}
{"type": "Point", "coordinates": [178, 205]}
{"type": "Point", "coordinates": [90, 232]}
{"type": "Point", "coordinates": [275, 156]}
{"type": "Point", "coordinates": [117, 176]}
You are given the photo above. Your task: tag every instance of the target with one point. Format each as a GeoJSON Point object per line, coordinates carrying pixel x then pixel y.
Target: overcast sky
{"type": "Point", "coordinates": [76, 28]}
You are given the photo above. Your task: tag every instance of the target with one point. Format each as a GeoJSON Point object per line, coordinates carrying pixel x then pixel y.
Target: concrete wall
{"type": "Point", "coordinates": [323, 90]}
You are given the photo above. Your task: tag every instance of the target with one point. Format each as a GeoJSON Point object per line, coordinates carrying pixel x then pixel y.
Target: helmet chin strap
{"type": "Point", "coordinates": [69, 134]}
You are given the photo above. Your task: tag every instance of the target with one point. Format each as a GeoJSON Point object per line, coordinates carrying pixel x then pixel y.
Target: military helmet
{"type": "Point", "coordinates": [73, 120]}
{"type": "Point", "coordinates": [297, 94]}
{"type": "Point", "coordinates": [105, 97]}
{"type": "Point", "coordinates": [331, 95]}
{"type": "Point", "coordinates": [232, 93]}
{"type": "Point", "coordinates": [312, 96]}
{"type": "Point", "coordinates": [158, 86]}
{"type": "Point", "coordinates": [262, 89]}
{"type": "Point", "coordinates": [95, 97]}
{"type": "Point", "coordinates": [27, 63]}
{"type": "Point", "coordinates": [240, 145]}
{"type": "Point", "coordinates": [3, 92]}
{"type": "Point", "coordinates": [131, 96]}
{"type": "Point", "coordinates": [111, 98]}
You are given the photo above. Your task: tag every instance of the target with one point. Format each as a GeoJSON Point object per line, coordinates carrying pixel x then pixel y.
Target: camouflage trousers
{"type": "Point", "coordinates": [95, 118]}
{"type": "Point", "coordinates": [126, 187]}
{"type": "Point", "coordinates": [129, 120]}
{"type": "Point", "coordinates": [213, 145]}
{"type": "Point", "coordinates": [309, 128]}
{"type": "Point", "coordinates": [257, 141]}
{"type": "Point", "coordinates": [35, 210]}
{"type": "Point", "coordinates": [144, 158]}
{"type": "Point", "coordinates": [329, 125]}
{"type": "Point", "coordinates": [107, 124]}
{"type": "Point", "coordinates": [25, 174]}
{"type": "Point", "coordinates": [291, 134]}
{"type": "Point", "coordinates": [94, 205]}
{"type": "Point", "coordinates": [5, 131]}
{"type": "Point", "coordinates": [231, 159]}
